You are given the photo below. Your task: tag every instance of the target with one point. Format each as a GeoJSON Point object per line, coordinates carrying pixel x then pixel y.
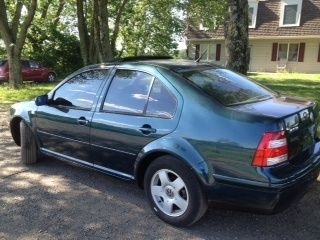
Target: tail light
{"type": "Point", "coordinates": [272, 150]}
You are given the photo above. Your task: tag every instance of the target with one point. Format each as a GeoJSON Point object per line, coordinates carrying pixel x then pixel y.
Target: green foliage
{"type": "Point", "coordinates": [150, 28]}
{"type": "Point", "coordinates": [56, 49]}
{"type": "Point", "coordinates": [210, 13]}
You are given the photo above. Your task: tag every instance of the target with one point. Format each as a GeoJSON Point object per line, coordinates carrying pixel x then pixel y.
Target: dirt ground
{"type": "Point", "coordinates": [54, 200]}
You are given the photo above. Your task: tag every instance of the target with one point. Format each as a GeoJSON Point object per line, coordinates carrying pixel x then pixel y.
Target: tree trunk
{"type": "Point", "coordinates": [15, 75]}
{"type": "Point", "coordinates": [83, 33]}
{"type": "Point", "coordinates": [14, 35]}
{"type": "Point", "coordinates": [236, 36]}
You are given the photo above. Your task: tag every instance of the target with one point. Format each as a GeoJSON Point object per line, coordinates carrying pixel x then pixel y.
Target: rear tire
{"type": "Point", "coordinates": [29, 151]}
{"type": "Point", "coordinates": [174, 192]}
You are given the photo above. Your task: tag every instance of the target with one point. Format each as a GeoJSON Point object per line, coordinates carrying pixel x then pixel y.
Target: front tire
{"type": "Point", "coordinates": [174, 192]}
{"type": "Point", "coordinates": [29, 152]}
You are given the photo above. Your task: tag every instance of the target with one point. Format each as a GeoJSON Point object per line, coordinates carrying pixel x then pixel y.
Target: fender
{"type": "Point", "coordinates": [17, 112]}
{"type": "Point", "coordinates": [179, 148]}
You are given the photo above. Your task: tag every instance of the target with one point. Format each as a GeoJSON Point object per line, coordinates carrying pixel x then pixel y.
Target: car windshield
{"type": "Point", "coordinates": [2, 62]}
{"type": "Point", "coordinates": [226, 86]}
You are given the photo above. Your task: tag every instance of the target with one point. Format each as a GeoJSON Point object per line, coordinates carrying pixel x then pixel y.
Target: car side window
{"type": "Point", "coordinates": [34, 64]}
{"type": "Point", "coordinates": [162, 103]}
{"type": "Point", "coordinates": [81, 90]}
{"type": "Point", "coordinates": [25, 64]}
{"type": "Point", "coordinates": [128, 92]}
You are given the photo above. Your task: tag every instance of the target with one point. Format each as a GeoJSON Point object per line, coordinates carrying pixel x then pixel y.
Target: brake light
{"type": "Point", "coordinates": [272, 149]}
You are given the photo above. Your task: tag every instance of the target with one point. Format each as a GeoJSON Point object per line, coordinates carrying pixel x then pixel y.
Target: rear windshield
{"type": "Point", "coordinates": [2, 62]}
{"type": "Point", "coordinates": [226, 86]}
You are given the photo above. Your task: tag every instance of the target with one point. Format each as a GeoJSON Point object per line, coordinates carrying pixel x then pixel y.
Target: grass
{"type": "Point", "coordinates": [292, 84]}
{"type": "Point", "coordinates": [306, 86]}
{"type": "Point", "coordinates": [27, 92]}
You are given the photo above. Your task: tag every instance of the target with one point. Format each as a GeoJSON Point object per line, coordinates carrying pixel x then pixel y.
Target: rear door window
{"type": "Point", "coordinates": [226, 86]}
{"type": "Point", "coordinates": [25, 64]}
{"type": "Point", "coordinates": [2, 62]}
{"type": "Point", "coordinates": [161, 103]}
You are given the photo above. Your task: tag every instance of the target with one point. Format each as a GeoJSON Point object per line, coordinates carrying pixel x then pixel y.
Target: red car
{"type": "Point", "coordinates": [31, 71]}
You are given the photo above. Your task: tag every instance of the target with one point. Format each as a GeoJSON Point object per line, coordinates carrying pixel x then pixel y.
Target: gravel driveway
{"type": "Point", "coordinates": [53, 200]}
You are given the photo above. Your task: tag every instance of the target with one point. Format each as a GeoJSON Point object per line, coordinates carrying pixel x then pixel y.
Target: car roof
{"type": "Point", "coordinates": [176, 65]}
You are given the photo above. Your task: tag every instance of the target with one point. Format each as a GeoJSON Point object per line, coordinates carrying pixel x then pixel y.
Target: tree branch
{"type": "Point", "coordinates": [26, 24]}
{"type": "Point", "coordinates": [16, 19]}
{"type": "Point", "coordinates": [45, 9]}
{"type": "Point", "coordinates": [59, 11]}
{"type": "Point", "coordinates": [4, 26]}
{"type": "Point", "coordinates": [117, 25]}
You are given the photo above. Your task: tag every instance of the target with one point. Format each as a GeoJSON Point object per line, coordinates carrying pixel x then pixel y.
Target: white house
{"type": "Point", "coordinates": [283, 35]}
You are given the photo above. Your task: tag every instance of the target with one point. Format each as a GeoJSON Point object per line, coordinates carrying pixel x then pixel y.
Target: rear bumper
{"type": "Point", "coordinates": [270, 198]}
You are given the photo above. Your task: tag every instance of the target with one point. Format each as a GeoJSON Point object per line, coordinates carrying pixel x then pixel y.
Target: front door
{"type": "Point", "coordinates": [137, 109]}
{"type": "Point", "coordinates": [63, 126]}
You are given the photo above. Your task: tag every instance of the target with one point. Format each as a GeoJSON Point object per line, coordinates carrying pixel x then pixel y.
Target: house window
{"type": "Point", "coordinates": [290, 13]}
{"type": "Point", "coordinates": [288, 51]}
{"type": "Point", "coordinates": [283, 51]}
{"type": "Point", "coordinates": [252, 13]}
{"type": "Point", "coordinates": [293, 52]}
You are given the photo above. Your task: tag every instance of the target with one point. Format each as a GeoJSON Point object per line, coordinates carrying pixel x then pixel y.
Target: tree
{"type": "Point", "coordinates": [236, 36]}
{"type": "Point", "coordinates": [233, 16]}
{"type": "Point", "coordinates": [13, 30]}
{"type": "Point", "coordinates": [51, 39]}
{"type": "Point", "coordinates": [97, 39]}
{"type": "Point", "coordinates": [150, 28]}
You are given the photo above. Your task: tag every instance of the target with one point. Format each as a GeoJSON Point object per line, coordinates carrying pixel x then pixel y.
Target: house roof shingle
{"type": "Point", "coordinates": [267, 23]}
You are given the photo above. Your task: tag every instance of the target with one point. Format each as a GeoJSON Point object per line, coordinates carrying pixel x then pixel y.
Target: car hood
{"type": "Point", "coordinates": [276, 107]}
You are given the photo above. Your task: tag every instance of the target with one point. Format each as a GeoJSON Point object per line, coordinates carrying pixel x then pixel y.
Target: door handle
{"type": "Point", "coordinates": [82, 121]}
{"type": "Point", "coordinates": [146, 129]}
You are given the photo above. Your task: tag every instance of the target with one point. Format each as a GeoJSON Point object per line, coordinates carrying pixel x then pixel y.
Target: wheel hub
{"type": "Point", "coordinates": [169, 191]}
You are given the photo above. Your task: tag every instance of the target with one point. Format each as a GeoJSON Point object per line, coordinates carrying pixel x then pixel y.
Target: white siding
{"type": "Point", "coordinates": [210, 55]}
{"type": "Point", "coordinates": [261, 56]}
{"type": "Point", "coordinates": [260, 60]}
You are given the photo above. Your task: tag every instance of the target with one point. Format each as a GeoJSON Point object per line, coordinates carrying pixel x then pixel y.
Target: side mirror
{"type": "Point", "coordinates": [42, 100]}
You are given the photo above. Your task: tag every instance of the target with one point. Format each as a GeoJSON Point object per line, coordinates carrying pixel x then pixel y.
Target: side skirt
{"type": "Point", "coordinates": [81, 163]}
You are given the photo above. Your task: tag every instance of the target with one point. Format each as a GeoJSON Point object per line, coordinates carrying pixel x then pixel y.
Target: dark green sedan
{"type": "Point", "coordinates": [188, 133]}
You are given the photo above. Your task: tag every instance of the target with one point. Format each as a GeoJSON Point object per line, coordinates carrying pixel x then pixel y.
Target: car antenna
{"type": "Point", "coordinates": [198, 60]}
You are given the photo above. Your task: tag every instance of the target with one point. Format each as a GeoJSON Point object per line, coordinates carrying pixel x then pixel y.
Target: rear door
{"type": "Point", "coordinates": [139, 107]}
{"type": "Point", "coordinates": [63, 126]}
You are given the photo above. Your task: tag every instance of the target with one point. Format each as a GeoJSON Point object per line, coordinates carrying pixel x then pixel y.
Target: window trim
{"type": "Point", "coordinates": [298, 15]}
{"type": "Point", "coordinates": [254, 5]}
{"type": "Point", "coordinates": [53, 93]}
{"type": "Point", "coordinates": [143, 114]}
{"type": "Point", "coordinates": [288, 49]}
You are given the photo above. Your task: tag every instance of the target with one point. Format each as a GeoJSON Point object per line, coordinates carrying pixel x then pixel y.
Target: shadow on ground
{"type": "Point", "coordinates": [54, 200]}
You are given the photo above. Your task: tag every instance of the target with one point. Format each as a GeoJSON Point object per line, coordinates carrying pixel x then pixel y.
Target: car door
{"type": "Point", "coordinates": [35, 71]}
{"type": "Point", "coordinates": [26, 70]}
{"type": "Point", "coordinates": [63, 125]}
{"type": "Point", "coordinates": [138, 109]}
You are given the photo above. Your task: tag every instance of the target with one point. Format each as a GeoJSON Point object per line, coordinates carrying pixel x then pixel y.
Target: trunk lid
{"type": "Point", "coordinates": [299, 119]}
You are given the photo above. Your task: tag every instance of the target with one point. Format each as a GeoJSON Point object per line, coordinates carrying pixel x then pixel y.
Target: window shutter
{"type": "Point", "coordinates": [274, 52]}
{"type": "Point", "coordinates": [301, 52]}
{"type": "Point", "coordinates": [197, 52]}
{"type": "Point", "coordinates": [319, 54]}
{"type": "Point", "coordinates": [218, 52]}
